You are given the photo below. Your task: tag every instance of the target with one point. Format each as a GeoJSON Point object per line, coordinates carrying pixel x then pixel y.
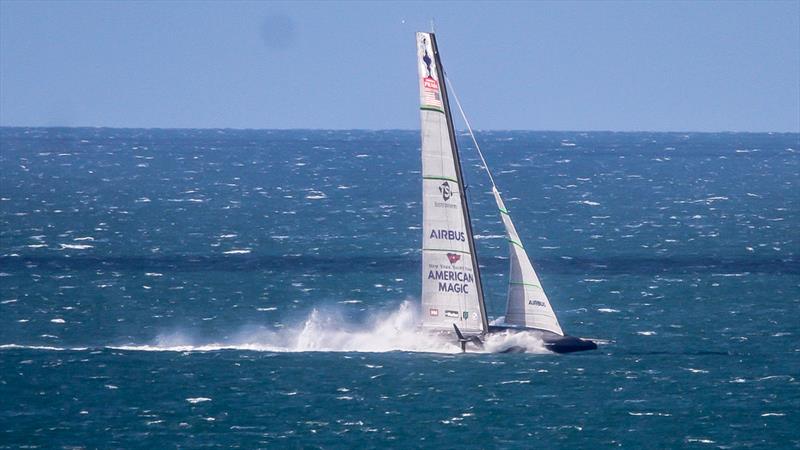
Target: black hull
{"type": "Point", "coordinates": [552, 341]}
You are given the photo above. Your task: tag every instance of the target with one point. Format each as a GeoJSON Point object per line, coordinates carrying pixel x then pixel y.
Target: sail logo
{"type": "Point", "coordinates": [452, 281]}
{"type": "Point", "coordinates": [430, 92]}
{"type": "Point", "coordinates": [444, 189]}
{"type": "Point", "coordinates": [430, 84]}
{"type": "Point", "coordinates": [433, 312]}
{"type": "Point", "coordinates": [453, 257]}
{"type": "Point", "coordinates": [426, 58]}
{"type": "Point", "coordinates": [449, 313]}
{"type": "Point", "coordinates": [451, 275]}
{"type": "Point", "coordinates": [538, 303]}
{"type": "Point", "coordinates": [448, 235]}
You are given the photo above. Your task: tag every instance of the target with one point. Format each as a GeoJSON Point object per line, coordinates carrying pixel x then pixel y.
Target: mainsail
{"type": "Point", "coordinates": [451, 285]}
{"type": "Point", "coordinates": [527, 305]}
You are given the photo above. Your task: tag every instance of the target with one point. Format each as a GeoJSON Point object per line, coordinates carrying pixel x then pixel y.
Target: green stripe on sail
{"type": "Point", "coordinates": [519, 283]}
{"type": "Point", "coordinates": [504, 211]}
{"type": "Point", "coordinates": [441, 178]}
{"type": "Point", "coordinates": [516, 243]}
{"type": "Point", "coordinates": [431, 108]}
{"type": "Point", "coordinates": [444, 250]}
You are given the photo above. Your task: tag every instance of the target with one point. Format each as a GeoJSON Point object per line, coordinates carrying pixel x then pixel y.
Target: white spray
{"type": "Point", "coordinates": [326, 331]}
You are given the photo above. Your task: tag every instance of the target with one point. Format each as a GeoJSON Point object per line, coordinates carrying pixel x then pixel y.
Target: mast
{"type": "Point", "coordinates": [460, 180]}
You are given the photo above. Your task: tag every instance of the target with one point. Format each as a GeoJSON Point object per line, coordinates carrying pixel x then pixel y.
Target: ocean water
{"type": "Point", "coordinates": [245, 288]}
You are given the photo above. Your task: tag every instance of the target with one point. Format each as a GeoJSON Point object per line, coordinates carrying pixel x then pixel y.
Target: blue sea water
{"type": "Point", "coordinates": [244, 288]}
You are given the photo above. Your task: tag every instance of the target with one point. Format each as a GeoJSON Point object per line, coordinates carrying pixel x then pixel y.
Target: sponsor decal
{"type": "Point", "coordinates": [452, 280]}
{"type": "Point", "coordinates": [445, 190]}
{"type": "Point", "coordinates": [430, 92]}
{"type": "Point", "coordinates": [426, 58]}
{"type": "Point", "coordinates": [451, 275]}
{"type": "Point", "coordinates": [433, 312]}
{"type": "Point", "coordinates": [449, 313]}
{"type": "Point", "coordinates": [430, 86]}
{"type": "Point", "coordinates": [453, 257]}
{"type": "Point", "coordinates": [449, 235]}
{"type": "Point", "coordinates": [445, 205]}
{"type": "Point", "coordinates": [430, 83]}
{"type": "Point", "coordinates": [538, 303]}
{"type": "Point", "coordinates": [455, 288]}
{"type": "Point", "coordinates": [465, 315]}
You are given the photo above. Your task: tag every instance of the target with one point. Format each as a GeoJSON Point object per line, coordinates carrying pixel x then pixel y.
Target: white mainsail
{"type": "Point", "coordinates": [527, 305]}
{"type": "Point", "coordinates": [451, 289]}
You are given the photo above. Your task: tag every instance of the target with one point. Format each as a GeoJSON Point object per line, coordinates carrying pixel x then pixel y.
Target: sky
{"type": "Point", "coordinates": [621, 66]}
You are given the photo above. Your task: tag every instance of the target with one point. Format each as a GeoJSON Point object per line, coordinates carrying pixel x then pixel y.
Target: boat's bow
{"type": "Point", "coordinates": [567, 344]}
{"type": "Point", "coordinates": [551, 341]}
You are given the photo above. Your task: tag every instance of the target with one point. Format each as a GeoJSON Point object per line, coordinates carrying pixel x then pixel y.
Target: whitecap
{"type": "Point", "coordinates": [195, 400]}
{"type": "Point", "coordinates": [700, 440]}
{"type": "Point", "coordinates": [316, 195]}
{"type": "Point", "coordinates": [75, 246]}
{"type": "Point", "coordinates": [586, 202]}
{"type": "Point", "coordinates": [39, 347]}
{"type": "Point", "coordinates": [489, 236]}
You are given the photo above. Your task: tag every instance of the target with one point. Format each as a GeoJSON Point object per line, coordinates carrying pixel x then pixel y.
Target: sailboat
{"type": "Point", "coordinates": [452, 292]}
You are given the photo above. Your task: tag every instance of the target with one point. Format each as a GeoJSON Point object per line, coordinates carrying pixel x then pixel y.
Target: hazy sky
{"type": "Point", "coordinates": [680, 66]}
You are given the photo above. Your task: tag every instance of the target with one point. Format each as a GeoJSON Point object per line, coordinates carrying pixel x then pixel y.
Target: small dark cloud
{"type": "Point", "coordinates": [278, 31]}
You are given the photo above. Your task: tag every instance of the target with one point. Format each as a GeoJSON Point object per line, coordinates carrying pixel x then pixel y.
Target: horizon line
{"type": "Point", "coordinates": [396, 129]}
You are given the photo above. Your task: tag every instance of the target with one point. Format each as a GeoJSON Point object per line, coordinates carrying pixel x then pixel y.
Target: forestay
{"type": "Point", "coordinates": [450, 278]}
{"type": "Point", "coordinates": [528, 305]}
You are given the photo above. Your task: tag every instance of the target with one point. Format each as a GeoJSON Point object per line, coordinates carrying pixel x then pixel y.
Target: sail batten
{"type": "Point", "coordinates": [451, 287]}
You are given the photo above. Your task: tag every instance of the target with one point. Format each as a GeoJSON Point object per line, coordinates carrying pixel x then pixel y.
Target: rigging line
{"type": "Point", "coordinates": [469, 128]}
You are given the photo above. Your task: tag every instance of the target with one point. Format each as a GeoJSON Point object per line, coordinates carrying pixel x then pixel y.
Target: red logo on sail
{"type": "Point", "coordinates": [430, 83]}
{"type": "Point", "coordinates": [453, 257]}
{"type": "Point", "coordinates": [430, 93]}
